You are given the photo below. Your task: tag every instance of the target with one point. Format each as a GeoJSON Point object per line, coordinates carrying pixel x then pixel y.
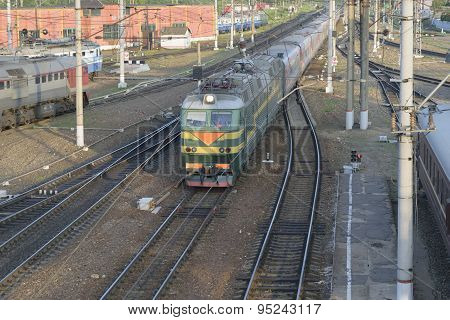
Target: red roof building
{"type": "Point", "coordinates": [99, 22]}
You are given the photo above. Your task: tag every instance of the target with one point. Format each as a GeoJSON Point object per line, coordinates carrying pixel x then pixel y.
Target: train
{"type": "Point", "coordinates": [225, 118]}
{"type": "Point", "coordinates": [433, 166]}
{"type": "Point", "coordinates": [90, 51]}
{"type": "Point", "coordinates": [37, 88]}
{"type": "Point", "coordinates": [224, 25]}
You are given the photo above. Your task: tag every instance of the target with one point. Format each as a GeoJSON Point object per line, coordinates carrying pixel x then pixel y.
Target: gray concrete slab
{"type": "Point", "coordinates": [372, 242]}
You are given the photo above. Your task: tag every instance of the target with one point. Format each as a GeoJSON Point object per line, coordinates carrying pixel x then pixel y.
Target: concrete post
{"type": "Point", "coordinates": [216, 19]}
{"type": "Point", "coordinates": [79, 76]}
{"type": "Point", "coordinates": [253, 20]}
{"type": "Point", "coordinates": [122, 83]}
{"type": "Point", "coordinates": [364, 39]}
{"type": "Point", "coordinates": [349, 114]}
{"type": "Point", "coordinates": [375, 34]}
{"type": "Point", "coordinates": [331, 16]}
{"type": "Point", "coordinates": [8, 24]}
{"type": "Point", "coordinates": [232, 26]}
{"type": "Point", "coordinates": [405, 157]}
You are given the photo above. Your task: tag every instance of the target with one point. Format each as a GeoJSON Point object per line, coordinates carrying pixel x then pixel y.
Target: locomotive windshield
{"type": "Point", "coordinates": [221, 120]}
{"type": "Point", "coordinates": [196, 118]}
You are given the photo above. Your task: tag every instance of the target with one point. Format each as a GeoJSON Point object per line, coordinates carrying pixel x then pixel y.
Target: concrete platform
{"type": "Point", "coordinates": [366, 241]}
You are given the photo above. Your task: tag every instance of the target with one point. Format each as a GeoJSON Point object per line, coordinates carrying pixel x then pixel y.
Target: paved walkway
{"type": "Point", "coordinates": [366, 242]}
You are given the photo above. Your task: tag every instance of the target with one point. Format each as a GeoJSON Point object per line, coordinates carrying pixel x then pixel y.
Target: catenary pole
{"type": "Point", "coordinates": [375, 34]}
{"type": "Point", "coordinates": [405, 156]}
{"type": "Point", "coordinates": [8, 24]}
{"type": "Point", "coordinates": [349, 115]}
{"type": "Point", "coordinates": [122, 83]}
{"type": "Point", "coordinates": [216, 16]}
{"type": "Point", "coordinates": [364, 52]}
{"type": "Point", "coordinates": [79, 76]}
{"type": "Point", "coordinates": [253, 19]}
{"type": "Point", "coordinates": [331, 16]}
{"type": "Point", "coordinates": [232, 26]}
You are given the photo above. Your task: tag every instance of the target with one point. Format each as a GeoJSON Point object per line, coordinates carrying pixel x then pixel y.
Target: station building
{"type": "Point", "coordinates": [99, 23]}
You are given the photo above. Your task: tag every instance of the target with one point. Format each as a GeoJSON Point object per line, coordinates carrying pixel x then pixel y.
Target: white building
{"type": "Point", "coordinates": [176, 38]}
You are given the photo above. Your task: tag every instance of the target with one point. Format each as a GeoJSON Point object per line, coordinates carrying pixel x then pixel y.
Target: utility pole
{"type": "Point", "coordinates": [253, 21]}
{"type": "Point", "coordinates": [8, 24]}
{"type": "Point", "coordinates": [391, 20]}
{"type": "Point", "coordinates": [122, 83]}
{"type": "Point", "coordinates": [79, 76]}
{"type": "Point", "coordinates": [232, 26]}
{"type": "Point", "coordinates": [349, 115]}
{"type": "Point", "coordinates": [331, 16]}
{"type": "Point", "coordinates": [405, 156]}
{"type": "Point", "coordinates": [199, 61]}
{"type": "Point", "coordinates": [216, 15]}
{"type": "Point", "coordinates": [364, 52]}
{"type": "Point", "coordinates": [375, 34]}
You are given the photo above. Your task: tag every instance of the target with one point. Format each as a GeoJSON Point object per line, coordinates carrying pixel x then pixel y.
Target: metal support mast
{"type": "Point", "coordinates": [364, 51]}
{"type": "Point", "coordinates": [122, 83]}
{"type": "Point", "coordinates": [349, 115]}
{"type": "Point", "coordinates": [331, 16]}
{"type": "Point", "coordinates": [79, 76]}
{"type": "Point", "coordinates": [376, 44]}
{"type": "Point", "coordinates": [232, 26]}
{"type": "Point", "coordinates": [405, 156]}
{"type": "Point", "coordinates": [8, 24]}
{"type": "Point", "coordinates": [253, 19]}
{"type": "Point", "coordinates": [216, 19]}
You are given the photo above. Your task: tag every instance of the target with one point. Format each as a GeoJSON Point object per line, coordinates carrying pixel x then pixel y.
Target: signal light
{"type": "Point", "coordinates": [221, 150]}
{"type": "Point", "coordinates": [194, 149]}
{"type": "Point", "coordinates": [188, 149]}
{"type": "Point", "coordinates": [354, 156]}
{"type": "Point", "coordinates": [228, 150]}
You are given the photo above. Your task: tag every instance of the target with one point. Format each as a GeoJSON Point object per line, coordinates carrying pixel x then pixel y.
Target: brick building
{"type": "Point", "coordinates": [99, 22]}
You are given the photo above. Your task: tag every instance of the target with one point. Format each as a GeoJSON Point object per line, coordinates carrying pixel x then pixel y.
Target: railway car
{"type": "Point", "coordinates": [90, 51]}
{"type": "Point", "coordinates": [223, 121]}
{"type": "Point", "coordinates": [36, 88]}
{"type": "Point", "coordinates": [433, 165]}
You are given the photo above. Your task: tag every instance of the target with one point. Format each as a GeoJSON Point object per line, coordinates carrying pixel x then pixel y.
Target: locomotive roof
{"type": "Point", "coordinates": [223, 102]}
{"type": "Point", "coordinates": [439, 139]}
{"type": "Point", "coordinates": [11, 66]}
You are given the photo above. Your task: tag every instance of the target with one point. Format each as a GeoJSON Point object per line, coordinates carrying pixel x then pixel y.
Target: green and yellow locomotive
{"type": "Point", "coordinates": [223, 120]}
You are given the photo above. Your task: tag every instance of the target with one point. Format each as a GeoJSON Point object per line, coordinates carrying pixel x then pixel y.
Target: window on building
{"type": "Point", "coordinates": [61, 75]}
{"type": "Point", "coordinates": [179, 24]}
{"type": "Point", "coordinates": [55, 76]}
{"type": "Point", "coordinates": [127, 11]}
{"type": "Point", "coordinates": [37, 80]}
{"type": "Point", "coordinates": [50, 77]}
{"type": "Point", "coordinates": [44, 79]}
{"type": "Point", "coordinates": [110, 31]}
{"type": "Point", "coordinates": [95, 12]}
{"type": "Point", "coordinates": [148, 27]}
{"type": "Point", "coordinates": [86, 12]}
{"type": "Point", "coordinates": [83, 53]}
{"type": "Point", "coordinates": [2, 85]}
{"type": "Point", "coordinates": [68, 32]}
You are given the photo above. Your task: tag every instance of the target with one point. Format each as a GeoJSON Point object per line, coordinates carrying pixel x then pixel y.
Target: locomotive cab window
{"type": "Point", "coordinates": [196, 118]}
{"type": "Point", "coordinates": [221, 120]}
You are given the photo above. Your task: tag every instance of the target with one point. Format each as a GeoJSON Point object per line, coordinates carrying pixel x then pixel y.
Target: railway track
{"type": "Point", "coordinates": [151, 268]}
{"type": "Point", "coordinates": [27, 236]}
{"type": "Point", "coordinates": [282, 259]}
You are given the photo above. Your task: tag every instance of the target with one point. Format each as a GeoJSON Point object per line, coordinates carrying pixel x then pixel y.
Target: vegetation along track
{"type": "Point", "coordinates": [25, 238]}
{"type": "Point", "coordinates": [150, 270]}
{"type": "Point", "coordinates": [282, 259]}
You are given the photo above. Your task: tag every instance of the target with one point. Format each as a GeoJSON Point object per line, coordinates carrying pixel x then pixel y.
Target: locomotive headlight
{"type": "Point", "coordinates": [209, 99]}
{"type": "Point", "coordinates": [221, 150]}
{"type": "Point", "coordinates": [194, 149]}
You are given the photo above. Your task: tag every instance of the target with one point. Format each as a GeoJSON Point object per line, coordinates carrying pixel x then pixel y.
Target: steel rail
{"type": "Point", "coordinates": [84, 185]}
{"type": "Point", "coordinates": [62, 177]}
{"type": "Point", "coordinates": [277, 207]}
{"type": "Point", "coordinates": [302, 104]}
{"type": "Point", "coordinates": [86, 212]}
